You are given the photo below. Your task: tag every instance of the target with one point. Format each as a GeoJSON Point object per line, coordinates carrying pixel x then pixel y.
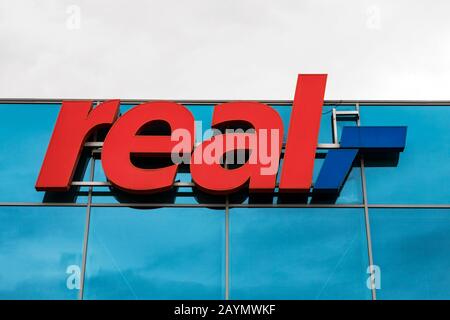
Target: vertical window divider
{"type": "Point", "coordinates": [227, 244]}
{"type": "Point", "coordinates": [367, 220]}
{"type": "Point", "coordinates": [87, 225]}
{"type": "Point", "coordinates": [227, 249]}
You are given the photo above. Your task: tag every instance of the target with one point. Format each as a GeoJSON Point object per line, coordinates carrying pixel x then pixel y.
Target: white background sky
{"type": "Point", "coordinates": [228, 49]}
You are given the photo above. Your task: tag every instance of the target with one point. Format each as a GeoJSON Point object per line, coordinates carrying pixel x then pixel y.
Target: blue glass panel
{"type": "Point", "coordinates": [422, 173]}
{"type": "Point", "coordinates": [166, 253]}
{"type": "Point", "coordinates": [40, 252]}
{"type": "Point", "coordinates": [325, 133]}
{"type": "Point", "coordinates": [297, 253]}
{"type": "Point", "coordinates": [202, 113]}
{"type": "Point", "coordinates": [411, 248]}
{"type": "Point", "coordinates": [203, 116]}
{"type": "Point", "coordinates": [125, 107]}
{"type": "Point", "coordinates": [26, 131]}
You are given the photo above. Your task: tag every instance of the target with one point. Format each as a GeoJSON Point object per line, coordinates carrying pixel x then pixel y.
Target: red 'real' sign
{"type": "Point", "coordinates": [77, 120]}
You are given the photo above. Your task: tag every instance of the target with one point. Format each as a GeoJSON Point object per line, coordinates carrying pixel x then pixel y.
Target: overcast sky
{"type": "Point", "coordinates": [229, 49]}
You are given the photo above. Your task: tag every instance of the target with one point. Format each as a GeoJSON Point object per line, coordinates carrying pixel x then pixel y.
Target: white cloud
{"type": "Point", "coordinates": [235, 49]}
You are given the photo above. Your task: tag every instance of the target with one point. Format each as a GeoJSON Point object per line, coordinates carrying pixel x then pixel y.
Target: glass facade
{"type": "Point", "coordinates": [159, 253]}
{"type": "Point", "coordinates": [94, 242]}
{"type": "Point", "coordinates": [298, 253]}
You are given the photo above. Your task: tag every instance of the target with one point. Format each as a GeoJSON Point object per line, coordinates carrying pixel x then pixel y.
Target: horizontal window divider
{"type": "Point", "coordinates": [108, 184]}
{"type": "Point", "coordinates": [90, 184]}
{"type": "Point", "coordinates": [294, 205]}
{"type": "Point", "coordinates": [410, 206]}
{"type": "Point", "coordinates": [319, 145]}
{"type": "Point", "coordinates": [43, 204]}
{"type": "Point", "coordinates": [160, 205]}
{"type": "Point", "coordinates": [231, 205]}
{"type": "Point", "coordinates": [347, 113]}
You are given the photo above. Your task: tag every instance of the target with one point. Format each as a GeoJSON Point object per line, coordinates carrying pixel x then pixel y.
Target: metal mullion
{"type": "Point", "coordinates": [157, 205]}
{"type": "Point", "coordinates": [368, 232]}
{"type": "Point", "coordinates": [334, 145]}
{"type": "Point", "coordinates": [227, 249]}
{"type": "Point", "coordinates": [227, 241]}
{"type": "Point", "coordinates": [410, 206]}
{"type": "Point", "coordinates": [334, 126]}
{"type": "Point", "coordinates": [107, 184]}
{"type": "Point", "coordinates": [215, 205]}
{"type": "Point", "coordinates": [41, 204]}
{"type": "Point", "coordinates": [86, 231]}
{"type": "Point", "coordinates": [367, 219]}
{"type": "Point", "coordinates": [294, 205]}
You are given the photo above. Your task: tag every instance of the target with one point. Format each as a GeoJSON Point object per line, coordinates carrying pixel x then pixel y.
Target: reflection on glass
{"type": "Point", "coordinates": [166, 253]}
{"type": "Point", "coordinates": [40, 252]}
{"type": "Point", "coordinates": [422, 173]}
{"type": "Point", "coordinates": [296, 253]}
{"type": "Point", "coordinates": [411, 248]}
{"type": "Point", "coordinates": [26, 130]}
